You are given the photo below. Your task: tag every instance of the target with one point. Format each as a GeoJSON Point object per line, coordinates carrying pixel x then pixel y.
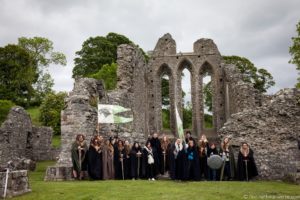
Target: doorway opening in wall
{"type": "Point", "coordinates": [165, 102]}
{"type": "Point", "coordinates": [187, 114]}
{"type": "Point", "coordinates": [207, 100]}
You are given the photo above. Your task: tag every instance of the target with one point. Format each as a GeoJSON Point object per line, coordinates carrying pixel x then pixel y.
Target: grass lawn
{"type": "Point", "coordinates": [143, 189]}
{"type": "Point", "coordinates": [56, 140]}
{"type": "Point", "coordinates": [34, 113]}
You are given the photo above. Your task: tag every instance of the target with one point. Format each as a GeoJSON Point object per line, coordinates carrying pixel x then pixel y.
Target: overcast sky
{"type": "Point", "coordinates": [260, 30]}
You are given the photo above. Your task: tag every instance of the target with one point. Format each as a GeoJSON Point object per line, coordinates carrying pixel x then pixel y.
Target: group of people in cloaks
{"type": "Point", "coordinates": [115, 158]}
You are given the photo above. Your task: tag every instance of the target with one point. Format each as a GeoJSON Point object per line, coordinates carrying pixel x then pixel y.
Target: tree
{"type": "Point", "coordinates": [41, 50]}
{"type": "Point", "coordinates": [5, 106]}
{"type": "Point", "coordinates": [295, 52]}
{"type": "Point", "coordinates": [108, 73]}
{"type": "Point", "coordinates": [98, 51]}
{"type": "Point", "coordinates": [260, 78]}
{"type": "Point", "coordinates": [17, 74]}
{"type": "Point", "coordinates": [50, 110]}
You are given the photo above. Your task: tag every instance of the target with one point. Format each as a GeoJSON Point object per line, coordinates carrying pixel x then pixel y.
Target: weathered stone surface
{"type": "Point", "coordinates": [18, 183]}
{"type": "Point", "coordinates": [79, 115]}
{"type": "Point", "coordinates": [166, 45]}
{"type": "Point", "coordinates": [58, 173]}
{"type": "Point", "coordinates": [269, 123]}
{"type": "Point", "coordinates": [273, 132]}
{"type": "Point", "coordinates": [20, 141]}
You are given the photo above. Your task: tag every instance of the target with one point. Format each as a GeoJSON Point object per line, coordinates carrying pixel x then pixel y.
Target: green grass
{"type": "Point", "coordinates": [34, 113]}
{"type": "Point", "coordinates": [56, 140]}
{"type": "Point", "coordinates": [143, 189]}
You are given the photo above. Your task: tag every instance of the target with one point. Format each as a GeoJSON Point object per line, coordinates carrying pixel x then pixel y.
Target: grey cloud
{"type": "Point", "coordinates": [258, 30]}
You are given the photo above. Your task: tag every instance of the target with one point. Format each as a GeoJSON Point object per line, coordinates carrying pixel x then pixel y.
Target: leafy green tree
{"type": "Point", "coordinates": [5, 106]}
{"type": "Point", "coordinates": [295, 52]}
{"type": "Point", "coordinates": [260, 78]}
{"type": "Point", "coordinates": [43, 54]}
{"type": "Point", "coordinates": [108, 73]}
{"type": "Point", "coordinates": [17, 74]}
{"type": "Point", "coordinates": [50, 110]}
{"type": "Point", "coordinates": [98, 51]}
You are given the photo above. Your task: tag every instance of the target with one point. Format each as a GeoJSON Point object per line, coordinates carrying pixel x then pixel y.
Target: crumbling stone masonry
{"type": "Point", "coordinates": [20, 140]}
{"type": "Point", "coordinates": [17, 183]}
{"type": "Point", "coordinates": [273, 132]}
{"type": "Point", "coordinates": [139, 88]}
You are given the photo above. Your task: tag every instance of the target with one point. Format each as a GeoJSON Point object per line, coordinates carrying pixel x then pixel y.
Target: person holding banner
{"type": "Point", "coordinates": [246, 167]}
{"type": "Point", "coordinates": [78, 154]}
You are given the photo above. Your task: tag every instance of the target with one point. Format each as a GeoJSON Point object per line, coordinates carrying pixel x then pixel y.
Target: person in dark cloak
{"type": "Point", "coordinates": [79, 159]}
{"type": "Point", "coordinates": [212, 173]}
{"type": "Point", "coordinates": [246, 167]}
{"type": "Point", "coordinates": [192, 162]}
{"type": "Point", "coordinates": [127, 148]}
{"type": "Point", "coordinates": [165, 156]}
{"type": "Point", "coordinates": [121, 158]}
{"type": "Point", "coordinates": [95, 166]}
{"type": "Point", "coordinates": [135, 161]}
{"type": "Point", "coordinates": [202, 151]}
{"type": "Point", "coordinates": [149, 160]}
{"type": "Point", "coordinates": [227, 154]}
{"type": "Point", "coordinates": [108, 161]}
{"type": "Point", "coordinates": [178, 161]}
{"type": "Point", "coordinates": [157, 151]}
{"type": "Point", "coordinates": [188, 137]}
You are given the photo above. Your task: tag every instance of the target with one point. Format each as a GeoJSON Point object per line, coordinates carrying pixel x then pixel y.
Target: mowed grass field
{"type": "Point", "coordinates": [160, 189]}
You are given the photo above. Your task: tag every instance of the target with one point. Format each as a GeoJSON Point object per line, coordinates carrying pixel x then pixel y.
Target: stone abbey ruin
{"type": "Point", "coordinates": [269, 123]}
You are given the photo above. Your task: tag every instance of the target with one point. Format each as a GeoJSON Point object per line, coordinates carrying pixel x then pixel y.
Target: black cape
{"type": "Point", "coordinates": [178, 164]}
{"type": "Point", "coordinates": [241, 166]}
{"type": "Point", "coordinates": [95, 169]}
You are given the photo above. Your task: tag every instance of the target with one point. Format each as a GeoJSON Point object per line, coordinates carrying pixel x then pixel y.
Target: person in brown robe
{"type": "Point", "coordinates": [108, 161]}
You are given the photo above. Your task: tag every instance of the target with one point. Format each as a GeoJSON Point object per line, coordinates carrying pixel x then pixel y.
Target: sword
{"type": "Point", "coordinates": [222, 171]}
{"type": "Point", "coordinates": [122, 166]}
{"type": "Point", "coordinates": [6, 181]}
{"type": "Point", "coordinates": [138, 168]}
{"type": "Point", "coordinates": [246, 163]}
{"type": "Point", "coordinates": [164, 153]}
{"type": "Point", "coordinates": [79, 155]}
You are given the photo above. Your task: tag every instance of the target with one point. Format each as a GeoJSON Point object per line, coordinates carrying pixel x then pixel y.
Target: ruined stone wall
{"type": "Point", "coordinates": [20, 139]}
{"type": "Point", "coordinates": [273, 132]}
{"type": "Point", "coordinates": [165, 60]}
{"type": "Point", "coordinates": [239, 95]}
{"type": "Point", "coordinates": [79, 115]}
{"type": "Point", "coordinates": [130, 93]}
{"type": "Point", "coordinates": [17, 183]}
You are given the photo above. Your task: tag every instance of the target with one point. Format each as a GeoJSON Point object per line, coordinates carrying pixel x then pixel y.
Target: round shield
{"type": "Point", "coordinates": [215, 162]}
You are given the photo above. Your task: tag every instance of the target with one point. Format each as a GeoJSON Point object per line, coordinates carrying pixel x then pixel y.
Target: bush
{"type": "Point", "coordinates": [108, 73]}
{"type": "Point", "coordinates": [5, 106]}
{"type": "Point", "coordinates": [50, 110]}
